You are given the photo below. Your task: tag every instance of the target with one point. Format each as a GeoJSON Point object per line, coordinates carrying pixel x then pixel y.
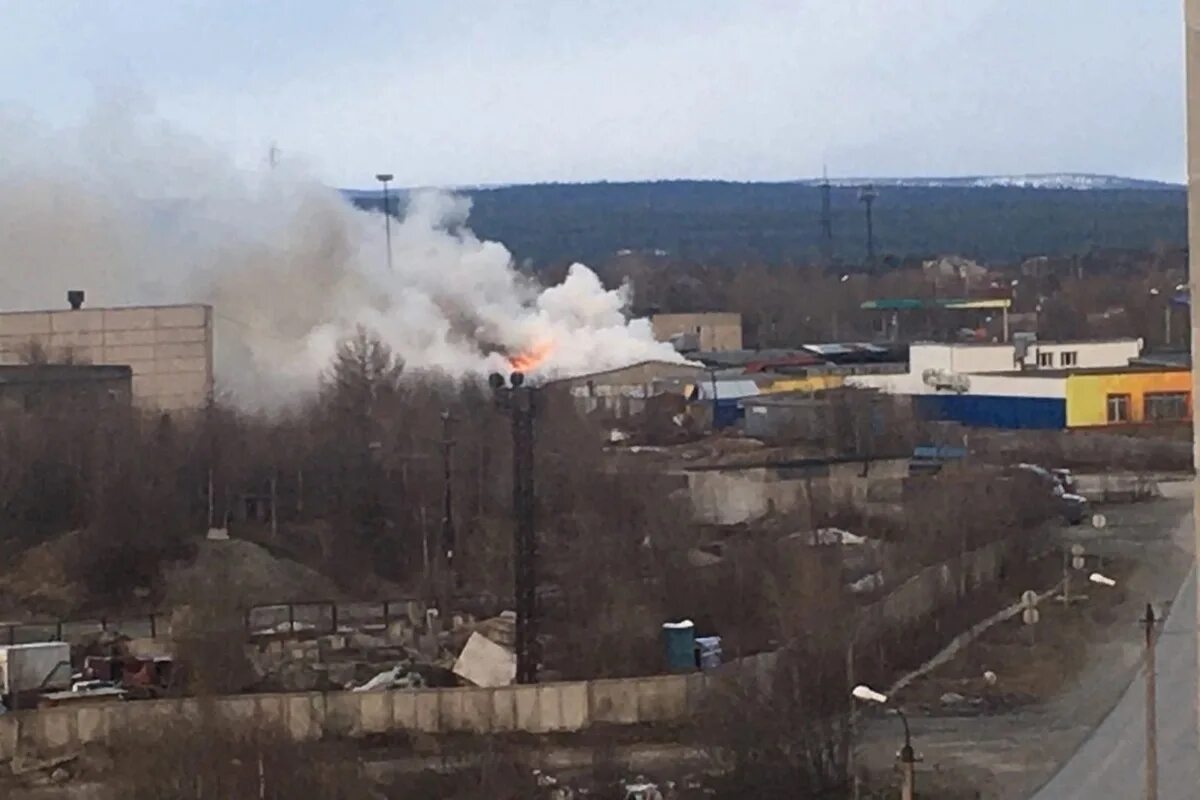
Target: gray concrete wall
{"type": "Point", "coordinates": [168, 348]}
{"type": "Point", "coordinates": [546, 708]}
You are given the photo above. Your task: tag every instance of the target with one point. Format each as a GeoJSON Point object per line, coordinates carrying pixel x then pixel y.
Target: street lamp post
{"type": "Point", "coordinates": [1148, 622]}
{"type": "Point", "coordinates": [907, 757]}
{"type": "Point", "coordinates": [384, 178]}
{"type": "Point", "coordinates": [519, 399]}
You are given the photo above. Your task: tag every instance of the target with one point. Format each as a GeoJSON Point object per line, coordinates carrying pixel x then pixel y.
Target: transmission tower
{"type": "Point", "coordinates": [826, 219]}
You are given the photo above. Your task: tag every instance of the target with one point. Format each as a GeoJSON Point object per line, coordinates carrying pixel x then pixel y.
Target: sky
{"type": "Point", "coordinates": [483, 92]}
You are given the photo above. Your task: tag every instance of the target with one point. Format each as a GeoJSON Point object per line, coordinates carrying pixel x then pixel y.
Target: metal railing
{"type": "Point", "coordinates": [302, 616]}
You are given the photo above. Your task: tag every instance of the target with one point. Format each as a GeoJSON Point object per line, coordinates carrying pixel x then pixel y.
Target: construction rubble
{"type": "Point", "coordinates": [410, 653]}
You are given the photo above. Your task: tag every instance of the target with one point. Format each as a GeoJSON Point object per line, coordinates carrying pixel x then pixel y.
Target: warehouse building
{"type": "Point", "coordinates": [168, 349]}
{"type": "Point", "coordinates": [1023, 386]}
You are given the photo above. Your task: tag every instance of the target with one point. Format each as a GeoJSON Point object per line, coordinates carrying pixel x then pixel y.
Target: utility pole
{"type": "Point", "coordinates": [449, 578]}
{"type": "Point", "coordinates": [520, 401]}
{"type": "Point", "coordinates": [1151, 709]}
{"type": "Point", "coordinates": [384, 178]}
{"type": "Point", "coordinates": [866, 196]}
{"type": "Point", "coordinates": [826, 219]}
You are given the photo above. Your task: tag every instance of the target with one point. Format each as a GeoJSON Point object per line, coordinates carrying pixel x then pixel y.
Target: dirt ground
{"type": "Point", "coordinates": [1031, 663]}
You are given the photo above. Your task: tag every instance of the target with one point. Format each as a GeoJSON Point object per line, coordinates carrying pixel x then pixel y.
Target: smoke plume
{"type": "Point", "coordinates": [135, 212]}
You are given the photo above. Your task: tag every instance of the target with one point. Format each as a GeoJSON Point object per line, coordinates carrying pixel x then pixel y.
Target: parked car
{"type": "Point", "coordinates": [1059, 484]}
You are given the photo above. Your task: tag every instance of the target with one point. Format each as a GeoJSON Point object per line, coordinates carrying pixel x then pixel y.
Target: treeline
{"type": "Point", "coordinates": [731, 224]}
{"type": "Point", "coordinates": [1096, 295]}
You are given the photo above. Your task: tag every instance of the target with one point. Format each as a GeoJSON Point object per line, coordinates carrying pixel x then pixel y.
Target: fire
{"type": "Point", "coordinates": [530, 359]}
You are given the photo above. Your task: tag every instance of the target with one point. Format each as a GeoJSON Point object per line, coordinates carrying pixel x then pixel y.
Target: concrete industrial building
{"type": "Point", "coordinates": [169, 349]}
{"type": "Point", "coordinates": [715, 331]}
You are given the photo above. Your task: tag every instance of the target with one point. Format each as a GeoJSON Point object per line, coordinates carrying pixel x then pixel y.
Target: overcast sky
{"type": "Point", "coordinates": [500, 91]}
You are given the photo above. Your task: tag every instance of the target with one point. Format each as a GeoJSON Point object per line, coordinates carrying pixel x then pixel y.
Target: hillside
{"type": "Point", "coordinates": [992, 218]}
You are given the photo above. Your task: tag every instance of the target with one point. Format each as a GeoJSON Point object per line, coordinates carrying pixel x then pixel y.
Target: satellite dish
{"type": "Point", "coordinates": [1029, 598]}
{"type": "Point", "coordinates": [1030, 616]}
{"type": "Point", "coordinates": [1099, 521]}
{"type": "Point", "coordinates": [1077, 562]}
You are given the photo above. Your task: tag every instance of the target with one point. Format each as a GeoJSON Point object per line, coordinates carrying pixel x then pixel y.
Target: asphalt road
{"type": "Point", "coordinates": [1110, 764]}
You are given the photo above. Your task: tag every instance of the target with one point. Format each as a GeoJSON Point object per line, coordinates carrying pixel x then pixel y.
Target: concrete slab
{"type": "Point", "coordinates": [477, 709]}
{"type": "Point", "coordinates": [123, 338]}
{"type": "Point", "coordinates": [85, 319]}
{"type": "Point", "coordinates": [404, 710]}
{"type": "Point", "coordinates": [179, 335]}
{"type": "Point", "coordinates": [126, 354]}
{"type": "Point", "coordinates": [56, 729]}
{"type": "Point", "coordinates": [181, 351]}
{"type": "Point", "coordinates": [128, 319]}
{"type": "Point", "coordinates": [165, 366]}
{"type": "Point", "coordinates": [24, 324]}
{"type": "Point", "coordinates": [84, 341]}
{"type": "Point", "coordinates": [613, 701]}
{"type": "Point", "coordinates": [573, 704]}
{"type": "Point", "coordinates": [450, 706]}
{"type": "Point", "coordinates": [343, 713]}
{"type": "Point", "coordinates": [272, 711]}
{"type": "Point", "coordinates": [376, 712]}
{"type": "Point", "coordinates": [428, 711]}
{"type": "Point", "coordinates": [504, 709]}
{"type": "Point", "coordinates": [303, 720]}
{"type": "Point", "coordinates": [549, 716]}
{"type": "Point", "coordinates": [90, 725]}
{"type": "Point", "coordinates": [662, 699]}
{"type": "Point", "coordinates": [181, 316]}
{"type": "Point", "coordinates": [528, 714]}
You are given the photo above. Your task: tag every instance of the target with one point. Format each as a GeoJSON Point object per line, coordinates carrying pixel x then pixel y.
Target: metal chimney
{"type": "Point", "coordinates": [75, 298]}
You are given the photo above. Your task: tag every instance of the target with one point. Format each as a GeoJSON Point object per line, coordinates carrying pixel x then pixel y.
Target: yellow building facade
{"type": "Point", "coordinates": [1128, 397]}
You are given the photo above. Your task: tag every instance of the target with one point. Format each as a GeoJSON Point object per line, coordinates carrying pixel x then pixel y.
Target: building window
{"type": "Point", "coordinates": [1118, 408]}
{"type": "Point", "coordinates": [1161, 406]}
{"type": "Point", "coordinates": [1045, 359]}
{"type": "Point", "coordinates": [1068, 358]}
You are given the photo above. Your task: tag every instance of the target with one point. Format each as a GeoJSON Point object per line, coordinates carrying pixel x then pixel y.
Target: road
{"type": "Point", "coordinates": [1111, 761]}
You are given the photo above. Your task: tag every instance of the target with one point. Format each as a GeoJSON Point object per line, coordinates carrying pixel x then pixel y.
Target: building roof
{"type": "Point", "coordinates": [1067, 373]}
{"type": "Point", "coordinates": [682, 366]}
{"type": "Point", "coordinates": [1171, 358]}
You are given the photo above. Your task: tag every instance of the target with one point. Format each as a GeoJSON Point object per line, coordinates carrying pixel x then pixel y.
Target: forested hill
{"type": "Point", "coordinates": [727, 222]}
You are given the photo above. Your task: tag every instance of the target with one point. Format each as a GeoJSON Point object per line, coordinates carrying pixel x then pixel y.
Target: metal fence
{"type": "Point", "coordinates": [308, 616]}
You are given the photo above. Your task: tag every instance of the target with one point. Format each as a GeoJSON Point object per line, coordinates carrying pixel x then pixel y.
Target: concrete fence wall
{"type": "Point", "coordinates": [545, 708]}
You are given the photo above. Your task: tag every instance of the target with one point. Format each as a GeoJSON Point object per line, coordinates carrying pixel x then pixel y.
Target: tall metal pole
{"type": "Point", "coordinates": [449, 578]}
{"type": "Point", "coordinates": [521, 402]}
{"type": "Point", "coordinates": [383, 178]}
{"type": "Point", "coordinates": [1151, 709]}
{"type": "Point", "coordinates": [525, 536]}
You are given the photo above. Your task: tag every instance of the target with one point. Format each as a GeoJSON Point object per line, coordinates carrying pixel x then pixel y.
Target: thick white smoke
{"type": "Point", "coordinates": [134, 212]}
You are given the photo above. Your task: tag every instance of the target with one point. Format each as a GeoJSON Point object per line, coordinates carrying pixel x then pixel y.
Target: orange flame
{"type": "Point", "coordinates": [531, 359]}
